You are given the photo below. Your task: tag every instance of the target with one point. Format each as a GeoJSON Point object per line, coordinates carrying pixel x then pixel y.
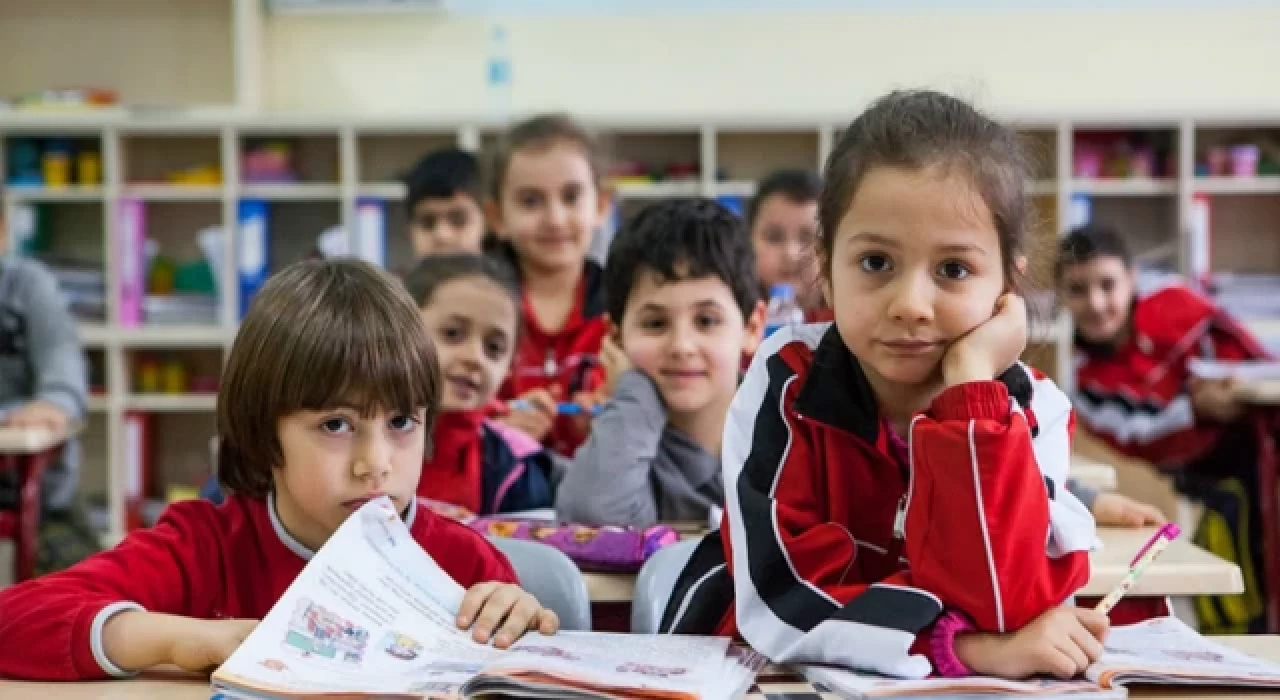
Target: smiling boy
{"type": "Point", "coordinates": [683, 300]}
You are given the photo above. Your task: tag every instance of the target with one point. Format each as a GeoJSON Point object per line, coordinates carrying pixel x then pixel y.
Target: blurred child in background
{"type": "Point", "coordinates": [546, 205]}
{"type": "Point", "coordinates": [443, 203]}
{"type": "Point", "coordinates": [470, 304]}
{"type": "Point", "coordinates": [43, 385]}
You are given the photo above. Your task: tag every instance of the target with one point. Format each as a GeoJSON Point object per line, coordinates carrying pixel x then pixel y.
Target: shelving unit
{"type": "Point", "coordinates": [342, 164]}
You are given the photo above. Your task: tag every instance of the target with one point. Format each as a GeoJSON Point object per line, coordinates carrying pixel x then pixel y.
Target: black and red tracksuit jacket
{"type": "Point", "coordinates": [1135, 396]}
{"type": "Point", "coordinates": [832, 550]}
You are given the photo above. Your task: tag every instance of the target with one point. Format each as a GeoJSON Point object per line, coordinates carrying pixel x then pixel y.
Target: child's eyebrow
{"type": "Point", "coordinates": [874, 238]}
{"type": "Point", "coordinates": [962, 248]}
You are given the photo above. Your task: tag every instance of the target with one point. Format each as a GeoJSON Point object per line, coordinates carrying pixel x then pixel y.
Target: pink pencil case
{"type": "Point", "coordinates": [607, 548]}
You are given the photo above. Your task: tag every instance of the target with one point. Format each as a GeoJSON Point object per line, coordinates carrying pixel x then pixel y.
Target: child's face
{"type": "Point", "coordinates": [689, 337]}
{"type": "Point", "coordinates": [446, 225]}
{"type": "Point", "coordinates": [1098, 293]}
{"type": "Point", "coordinates": [783, 236]}
{"type": "Point", "coordinates": [916, 264]}
{"type": "Point", "coordinates": [550, 206]}
{"type": "Point", "coordinates": [335, 460]}
{"type": "Point", "coordinates": [473, 324]}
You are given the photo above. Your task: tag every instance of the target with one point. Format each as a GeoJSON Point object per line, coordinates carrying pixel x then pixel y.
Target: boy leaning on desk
{"type": "Point", "coordinates": [43, 385]}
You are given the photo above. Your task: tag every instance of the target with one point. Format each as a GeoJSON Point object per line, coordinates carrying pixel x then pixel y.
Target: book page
{"type": "Point", "coordinates": [371, 612]}
{"type": "Point", "coordinates": [856, 684]}
{"type": "Point", "coordinates": [1167, 650]}
{"type": "Point", "coordinates": [667, 662]}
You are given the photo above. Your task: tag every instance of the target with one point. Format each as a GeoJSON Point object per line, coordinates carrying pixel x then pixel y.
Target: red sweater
{"type": "Point", "coordinates": [837, 550]}
{"type": "Point", "coordinates": [1135, 396]}
{"type": "Point", "coordinates": [200, 560]}
{"type": "Point", "coordinates": [565, 362]}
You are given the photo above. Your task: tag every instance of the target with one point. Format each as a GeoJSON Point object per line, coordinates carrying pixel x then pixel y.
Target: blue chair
{"type": "Point", "coordinates": [551, 577]}
{"type": "Point", "coordinates": [654, 583]}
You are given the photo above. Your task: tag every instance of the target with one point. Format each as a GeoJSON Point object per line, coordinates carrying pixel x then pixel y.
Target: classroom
{"type": "Point", "coordinates": [682, 318]}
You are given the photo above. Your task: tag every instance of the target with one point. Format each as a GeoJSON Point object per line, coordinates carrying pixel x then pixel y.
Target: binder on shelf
{"type": "Point", "coordinates": [137, 467]}
{"type": "Point", "coordinates": [371, 230]}
{"type": "Point", "coordinates": [1080, 212]}
{"type": "Point", "coordinates": [734, 203]}
{"type": "Point", "coordinates": [1199, 260]}
{"type": "Point", "coordinates": [253, 261]}
{"type": "Point", "coordinates": [131, 227]}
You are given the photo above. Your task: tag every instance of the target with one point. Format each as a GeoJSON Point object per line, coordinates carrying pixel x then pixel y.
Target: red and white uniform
{"type": "Point", "coordinates": [811, 566]}
{"type": "Point", "coordinates": [1135, 396]}
{"type": "Point", "coordinates": [200, 560]}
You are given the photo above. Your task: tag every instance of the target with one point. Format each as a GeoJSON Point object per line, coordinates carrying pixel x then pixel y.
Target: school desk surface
{"type": "Point", "coordinates": [1183, 569]}
{"type": "Point", "coordinates": [774, 683]}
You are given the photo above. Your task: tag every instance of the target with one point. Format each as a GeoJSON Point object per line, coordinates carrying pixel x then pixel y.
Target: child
{"type": "Point", "coordinates": [43, 385]}
{"type": "Point", "coordinates": [1134, 391]}
{"type": "Point", "coordinates": [326, 400]}
{"type": "Point", "coordinates": [893, 480]}
{"type": "Point", "coordinates": [783, 217]}
{"type": "Point", "coordinates": [547, 204]}
{"type": "Point", "coordinates": [443, 203]}
{"type": "Point", "coordinates": [469, 303]}
{"type": "Point", "coordinates": [681, 289]}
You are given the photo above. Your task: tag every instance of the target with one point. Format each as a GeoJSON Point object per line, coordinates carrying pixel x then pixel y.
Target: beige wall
{"type": "Point", "coordinates": [1033, 62]}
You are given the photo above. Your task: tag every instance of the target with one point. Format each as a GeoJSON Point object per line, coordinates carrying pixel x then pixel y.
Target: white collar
{"type": "Point", "coordinates": [300, 549]}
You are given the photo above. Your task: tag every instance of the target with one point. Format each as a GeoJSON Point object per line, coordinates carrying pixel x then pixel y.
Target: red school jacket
{"type": "Point", "coordinates": [565, 362]}
{"type": "Point", "coordinates": [200, 560]}
{"type": "Point", "coordinates": [1135, 396]}
{"type": "Point", "coordinates": [831, 550]}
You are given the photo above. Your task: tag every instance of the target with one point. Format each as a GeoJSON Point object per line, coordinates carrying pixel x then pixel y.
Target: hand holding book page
{"type": "Point", "coordinates": [372, 613]}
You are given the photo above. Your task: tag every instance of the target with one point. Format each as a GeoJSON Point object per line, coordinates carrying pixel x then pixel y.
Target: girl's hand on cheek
{"type": "Point", "coordinates": [992, 347]}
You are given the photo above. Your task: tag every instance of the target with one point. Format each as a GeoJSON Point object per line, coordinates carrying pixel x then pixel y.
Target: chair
{"type": "Point", "coordinates": [22, 523]}
{"type": "Point", "coordinates": [551, 577]}
{"type": "Point", "coordinates": [655, 582]}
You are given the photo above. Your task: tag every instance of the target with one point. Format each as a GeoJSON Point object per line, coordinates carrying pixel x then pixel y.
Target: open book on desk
{"type": "Point", "coordinates": [1165, 651]}
{"type": "Point", "coordinates": [372, 614]}
{"type": "Point", "coordinates": [1162, 651]}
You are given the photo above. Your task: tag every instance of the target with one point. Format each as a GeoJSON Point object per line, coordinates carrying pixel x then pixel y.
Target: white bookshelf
{"type": "Point", "coordinates": [341, 161]}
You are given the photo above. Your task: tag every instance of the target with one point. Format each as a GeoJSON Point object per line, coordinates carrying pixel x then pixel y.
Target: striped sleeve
{"type": "Point", "coordinates": [794, 572]}
{"type": "Point", "coordinates": [989, 528]}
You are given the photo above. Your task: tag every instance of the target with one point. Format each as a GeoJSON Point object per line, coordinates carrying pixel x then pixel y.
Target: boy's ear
{"type": "Point", "coordinates": [493, 217]}
{"type": "Point", "coordinates": [754, 332]}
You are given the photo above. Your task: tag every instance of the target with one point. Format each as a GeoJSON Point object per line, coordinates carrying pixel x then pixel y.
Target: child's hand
{"type": "Point", "coordinates": [1062, 643]}
{"type": "Point", "coordinates": [587, 401]}
{"type": "Point", "coordinates": [1215, 399]}
{"type": "Point", "coordinates": [206, 644]}
{"type": "Point", "coordinates": [536, 422]}
{"type": "Point", "coordinates": [615, 363]}
{"type": "Point", "coordinates": [1122, 511]}
{"type": "Point", "coordinates": [992, 347]}
{"type": "Point", "coordinates": [489, 604]}
{"type": "Point", "coordinates": [38, 414]}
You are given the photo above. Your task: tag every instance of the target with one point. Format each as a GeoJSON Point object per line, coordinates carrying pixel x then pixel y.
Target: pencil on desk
{"type": "Point", "coordinates": [1146, 555]}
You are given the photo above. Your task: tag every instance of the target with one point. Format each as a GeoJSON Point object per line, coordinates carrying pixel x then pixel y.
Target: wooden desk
{"type": "Point", "coordinates": [22, 441]}
{"type": "Point", "coordinates": [186, 687]}
{"type": "Point", "coordinates": [1183, 569]}
{"type": "Point", "coordinates": [1093, 473]}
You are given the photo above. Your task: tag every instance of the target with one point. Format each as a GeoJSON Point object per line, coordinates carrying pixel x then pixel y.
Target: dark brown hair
{"type": "Point", "coordinates": [920, 129]}
{"type": "Point", "coordinates": [542, 131]}
{"type": "Point", "coordinates": [1084, 243]}
{"type": "Point", "coordinates": [319, 333]}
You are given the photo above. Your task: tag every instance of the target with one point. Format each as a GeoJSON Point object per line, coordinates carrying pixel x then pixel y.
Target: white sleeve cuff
{"type": "Point", "coordinates": [95, 637]}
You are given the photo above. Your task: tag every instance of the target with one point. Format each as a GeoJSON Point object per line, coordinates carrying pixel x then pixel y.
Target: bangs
{"type": "Point", "coordinates": [363, 360]}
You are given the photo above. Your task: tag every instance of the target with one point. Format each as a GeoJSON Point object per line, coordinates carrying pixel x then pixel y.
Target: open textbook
{"type": "Point", "coordinates": [1161, 651]}
{"type": "Point", "coordinates": [373, 614]}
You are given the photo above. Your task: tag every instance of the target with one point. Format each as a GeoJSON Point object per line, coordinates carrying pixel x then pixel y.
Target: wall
{"type": "Point", "coordinates": [156, 52]}
{"type": "Point", "coordinates": [816, 62]}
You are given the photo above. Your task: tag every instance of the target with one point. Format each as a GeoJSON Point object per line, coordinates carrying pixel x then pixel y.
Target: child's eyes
{"type": "Point", "coordinates": [707, 321]}
{"type": "Point", "coordinates": [876, 263]}
{"type": "Point", "coordinates": [953, 270]}
{"type": "Point", "coordinates": [336, 425]}
{"type": "Point", "coordinates": [495, 349]}
{"type": "Point", "coordinates": [653, 324]}
{"type": "Point", "coordinates": [451, 334]}
{"type": "Point", "coordinates": [403, 422]}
